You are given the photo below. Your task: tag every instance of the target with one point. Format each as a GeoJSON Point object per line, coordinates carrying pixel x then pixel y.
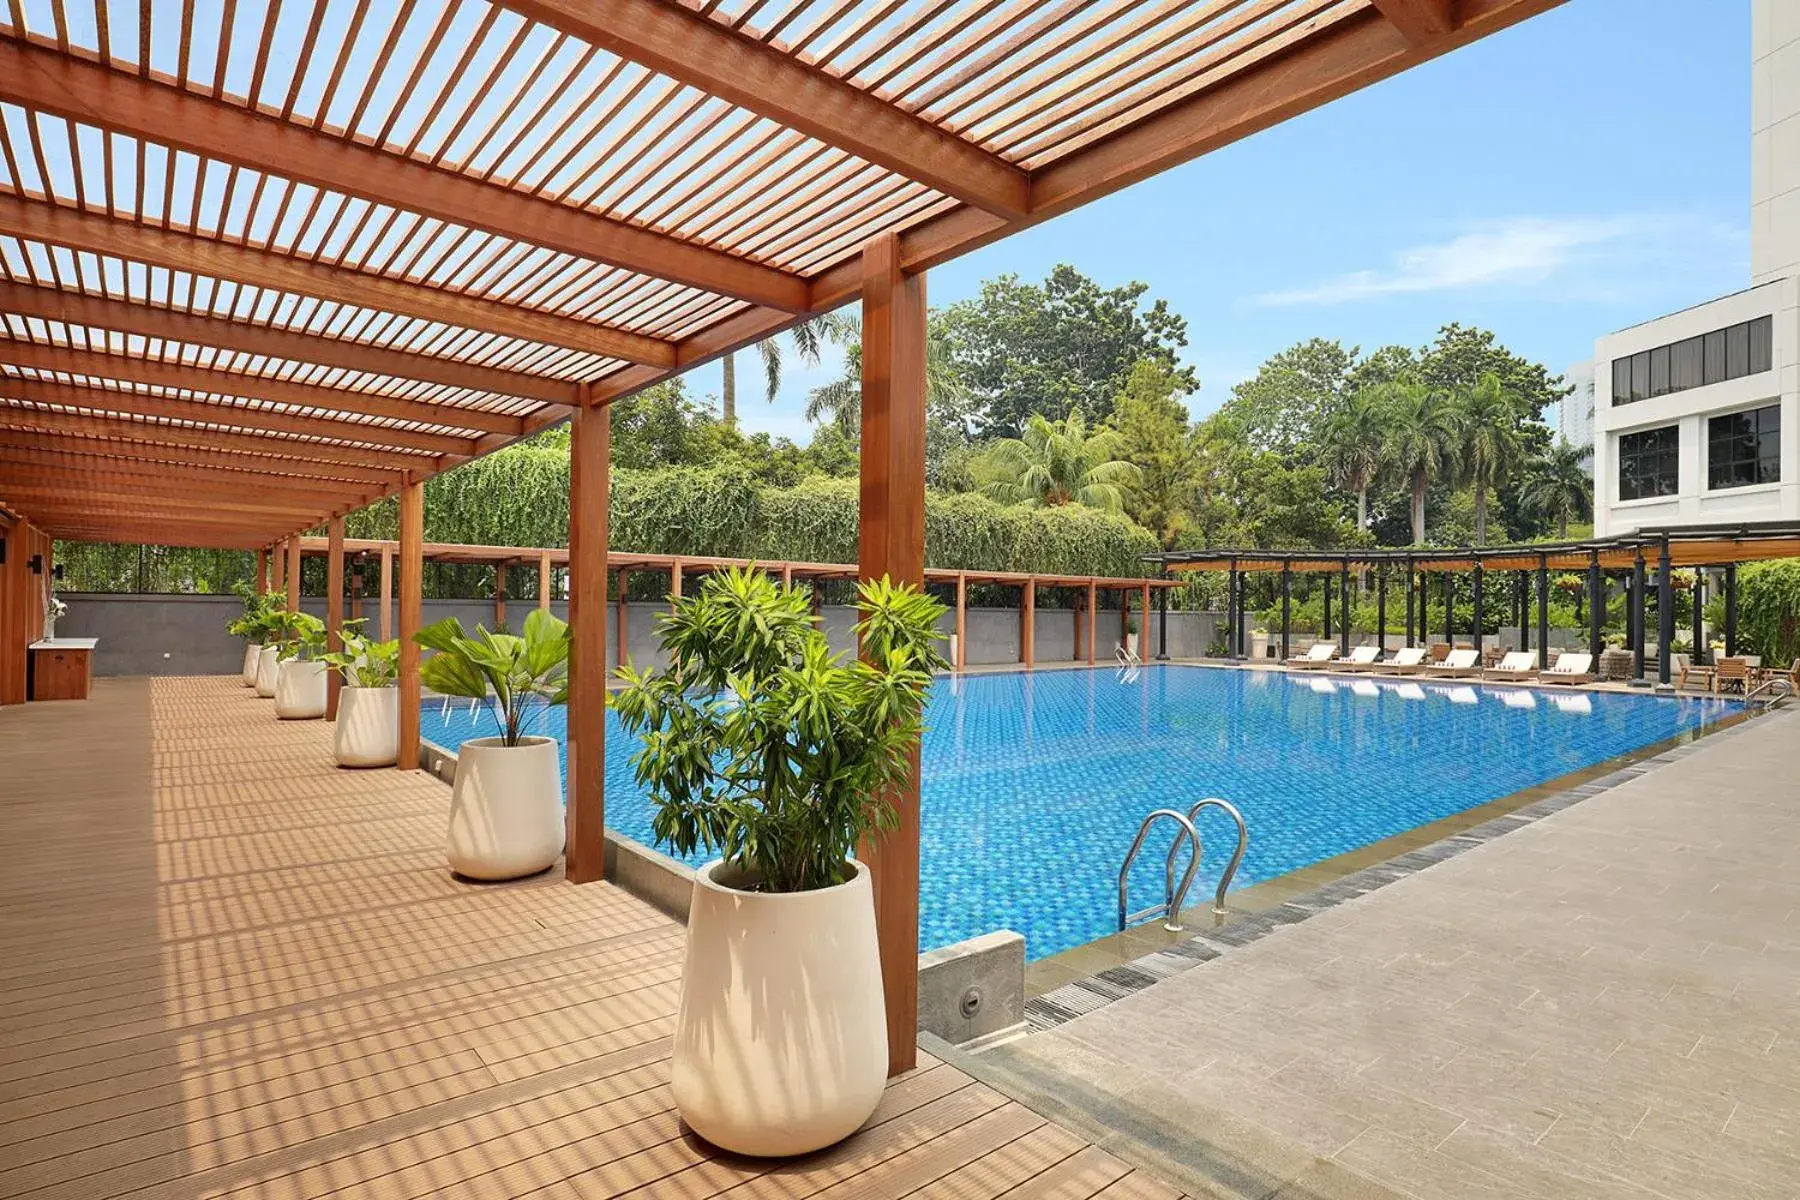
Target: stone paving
{"type": "Point", "coordinates": [1601, 1004]}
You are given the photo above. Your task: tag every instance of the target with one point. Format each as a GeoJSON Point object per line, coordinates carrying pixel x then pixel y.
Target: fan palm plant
{"type": "Point", "coordinates": [1422, 434]}
{"type": "Point", "coordinates": [1557, 486]}
{"type": "Point", "coordinates": [1491, 446]}
{"type": "Point", "coordinates": [1055, 464]}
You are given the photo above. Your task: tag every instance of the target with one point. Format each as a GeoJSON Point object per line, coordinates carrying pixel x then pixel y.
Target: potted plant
{"type": "Point", "coordinates": [506, 817]}
{"type": "Point", "coordinates": [268, 658]}
{"type": "Point", "coordinates": [1129, 638]}
{"type": "Point", "coordinates": [761, 745]}
{"type": "Point", "coordinates": [368, 716]}
{"type": "Point", "coordinates": [253, 626]}
{"type": "Point", "coordinates": [300, 673]}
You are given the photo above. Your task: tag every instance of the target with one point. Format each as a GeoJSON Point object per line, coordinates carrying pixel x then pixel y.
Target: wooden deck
{"type": "Point", "coordinates": [230, 969]}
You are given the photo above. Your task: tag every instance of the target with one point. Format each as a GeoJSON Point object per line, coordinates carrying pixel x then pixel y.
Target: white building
{"type": "Point", "coordinates": [1575, 412]}
{"type": "Point", "coordinates": [1697, 414]}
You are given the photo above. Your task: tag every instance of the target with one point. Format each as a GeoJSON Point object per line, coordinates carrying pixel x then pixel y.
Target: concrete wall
{"type": "Point", "coordinates": [1774, 139]}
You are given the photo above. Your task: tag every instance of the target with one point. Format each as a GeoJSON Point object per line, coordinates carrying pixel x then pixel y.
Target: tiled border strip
{"type": "Point", "coordinates": [1063, 1004]}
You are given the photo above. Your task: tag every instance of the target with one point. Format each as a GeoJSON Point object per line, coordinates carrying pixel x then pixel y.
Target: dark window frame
{"type": "Point", "coordinates": [1752, 456]}
{"type": "Point", "coordinates": [1650, 463]}
{"type": "Point", "coordinates": [1734, 352]}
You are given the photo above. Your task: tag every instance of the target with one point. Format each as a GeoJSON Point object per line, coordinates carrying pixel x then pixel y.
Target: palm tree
{"type": "Point", "coordinates": [809, 336]}
{"type": "Point", "coordinates": [1557, 487]}
{"type": "Point", "coordinates": [1422, 432]}
{"type": "Point", "coordinates": [1491, 446]}
{"type": "Point", "coordinates": [840, 400]}
{"type": "Point", "coordinates": [1351, 452]}
{"type": "Point", "coordinates": [1056, 464]}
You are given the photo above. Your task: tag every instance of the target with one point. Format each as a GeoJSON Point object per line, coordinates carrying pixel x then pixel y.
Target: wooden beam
{"type": "Point", "coordinates": [546, 578]}
{"type": "Point", "coordinates": [334, 610]}
{"type": "Point", "coordinates": [228, 464]}
{"type": "Point", "coordinates": [1093, 610]}
{"type": "Point", "coordinates": [1422, 21]}
{"type": "Point", "coordinates": [773, 83]}
{"type": "Point", "coordinates": [40, 78]}
{"type": "Point", "coordinates": [1144, 624]}
{"type": "Point", "coordinates": [412, 583]}
{"type": "Point", "coordinates": [144, 404]}
{"type": "Point", "coordinates": [176, 250]}
{"type": "Point", "coordinates": [69, 498]}
{"type": "Point", "coordinates": [962, 621]}
{"type": "Point", "coordinates": [146, 432]}
{"type": "Point", "coordinates": [145, 320]}
{"type": "Point", "coordinates": [322, 400]}
{"type": "Point", "coordinates": [122, 477]}
{"type": "Point", "coordinates": [499, 595]}
{"type": "Point", "coordinates": [622, 621]}
{"type": "Point", "coordinates": [590, 452]}
{"type": "Point", "coordinates": [891, 544]}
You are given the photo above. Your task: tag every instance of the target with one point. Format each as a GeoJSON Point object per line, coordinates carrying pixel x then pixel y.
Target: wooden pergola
{"type": "Point", "coordinates": [1634, 554]}
{"type": "Point", "coordinates": [263, 266]}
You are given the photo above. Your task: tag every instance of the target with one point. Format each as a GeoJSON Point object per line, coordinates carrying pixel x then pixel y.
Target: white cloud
{"type": "Point", "coordinates": [1590, 253]}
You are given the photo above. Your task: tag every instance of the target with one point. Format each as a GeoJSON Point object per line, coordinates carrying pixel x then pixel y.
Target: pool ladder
{"type": "Point", "coordinates": [1174, 896]}
{"type": "Point", "coordinates": [1772, 691]}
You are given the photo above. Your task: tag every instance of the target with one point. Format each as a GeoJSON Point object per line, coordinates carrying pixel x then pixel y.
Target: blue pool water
{"type": "Point", "coordinates": [1034, 784]}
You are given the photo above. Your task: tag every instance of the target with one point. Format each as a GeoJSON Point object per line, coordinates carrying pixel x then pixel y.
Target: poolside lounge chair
{"type": "Point", "coordinates": [1410, 661]}
{"type": "Point", "coordinates": [1569, 668]}
{"type": "Point", "coordinates": [1517, 664]}
{"type": "Point", "coordinates": [1458, 664]}
{"type": "Point", "coordinates": [1360, 659]}
{"type": "Point", "coordinates": [1733, 675]}
{"type": "Point", "coordinates": [1314, 659]}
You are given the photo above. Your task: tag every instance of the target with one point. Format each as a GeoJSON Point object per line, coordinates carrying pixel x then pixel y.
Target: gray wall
{"type": "Point", "coordinates": [185, 635]}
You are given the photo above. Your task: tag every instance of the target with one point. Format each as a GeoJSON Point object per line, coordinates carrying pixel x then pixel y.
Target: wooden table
{"type": "Point", "coordinates": [62, 668]}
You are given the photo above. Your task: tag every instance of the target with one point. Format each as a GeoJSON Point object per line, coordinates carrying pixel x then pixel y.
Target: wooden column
{"type": "Point", "coordinates": [412, 584]}
{"type": "Point", "coordinates": [293, 573]}
{"type": "Point", "coordinates": [1028, 624]}
{"type": "Point", "coordinates": [620, 658]}
{"type": "Point", "coordinates": [499, 595]}
{"type": "Point", "coordinates": [892, 544]}
{"type": "Point", "coordinates": [1144, 623]}
{"type": "Point", "coordinates": [590, 454]}
{"type": "Point", "coordinates": [262, 571]}
{"type": "Point", "coordinates": [962, 620]}
{"type": "Point", "coordinates": [15, 612]}
{"type": "Point", "coordinates": [385, 619]}
{"type": "Point", "coordinates": [546, 581]}
{"type": "Point", "coordinates": [1080, 624]}
{"type": "Point", "coordinates": [334, 609]}
{"type": "Point", "coordinates": [1124, 617]}
{"type": "Point", "coordinates": [277, 561]}
{"type": "Point", "coordinates": [1093, 609]}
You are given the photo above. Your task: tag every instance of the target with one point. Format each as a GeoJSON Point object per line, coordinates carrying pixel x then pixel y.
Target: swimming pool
{"type": "Point", "coordinates": [1034, 783]}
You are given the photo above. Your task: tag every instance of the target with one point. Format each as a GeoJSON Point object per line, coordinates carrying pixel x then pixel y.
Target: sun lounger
{"type": "Point", "coordinates": [1314, 659]}
{"type": "Point", "coordinates": [1569, 668]}
{"type": "Point", "coordinates": [1410, 661]}
{"type": "Point", "coordinates": [1518, 664]}
{"type": "Point", "coordinates": [1360, 659]}
{"type": "Point", "coordinates": [1458, 664]}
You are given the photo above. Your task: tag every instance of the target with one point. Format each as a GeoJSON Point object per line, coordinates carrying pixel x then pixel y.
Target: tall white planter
{"type": "Point", "coordinates": [506, 815]}
{"type": "Point", "coordinates": [268, 661]}
{"type": "Point", "coordinates": [300, 690]}
{"type": "Point", "coordinates": [781, 1045]}
{"type": "Point", "coordinates": [252, 656]}
{"type": "Point", "coordinates": [368, 727]}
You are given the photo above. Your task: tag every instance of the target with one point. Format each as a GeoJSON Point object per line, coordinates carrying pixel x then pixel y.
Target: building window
{"type": "Point", "coordinates": [1650, 463]}
{"type": "Point", "coordinates": [1744, 449]}
{"type": "Point", "coordinates": [1747, 348]}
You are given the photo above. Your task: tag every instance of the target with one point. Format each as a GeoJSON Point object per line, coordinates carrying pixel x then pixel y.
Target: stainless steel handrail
{"type": "Point", "coordinates": [1237, 857]}
{"type": "Point", "coordinates": [1127, 657]}
{"type": "Point", "coordinates": [1768, 685]}
{"type": "Point", "coordinates": [1173, 896]}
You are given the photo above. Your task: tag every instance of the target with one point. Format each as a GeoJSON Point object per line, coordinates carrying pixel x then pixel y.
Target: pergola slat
{"type": "Point", "coordinates": [89, 448]}
{"type": "Point", "coordinates": [144, 432]}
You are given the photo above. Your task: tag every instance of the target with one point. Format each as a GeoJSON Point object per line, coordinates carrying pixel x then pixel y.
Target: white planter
{"type": "Point", "coordinates": [368, 727]}
{"type": "Point", "coordinates": [781, 1045]}
{"type": "Point", "coordinates": [300, 690]}
{"type": "Point", "coordinates": [267, 663]}
{"type": "Point", "coordinates": [252, 656]}
{"type": "Point", "coordinates": [506, 814]}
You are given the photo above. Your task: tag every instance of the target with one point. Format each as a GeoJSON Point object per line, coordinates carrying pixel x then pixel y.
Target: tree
{"type": "Point", "coordinates": [1154, 437]}
{"type": "Point", "coordinates": [1050, 349]}
{"type": "Point", "coordinates": [1283, 406]}
{"type": "Point", "coordinates": [1056, 464]}
{"type": "Point", "coordinates": [1423, 432]}
{"type": "Point", "coordinates": [1248, 496]}
{"type": "Point", "coordinates": [1350, 448]}
{"type": "Point", "coordinates": [1492, 446]}
{"type": "Point", "coordinates": [1557, 487]}
{"type": "Point", "coordinates": [809, 338]}
{"type": "Point", "coordinates": [947, 402]}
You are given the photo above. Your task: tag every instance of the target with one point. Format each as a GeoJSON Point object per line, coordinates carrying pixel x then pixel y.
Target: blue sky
{"type": "Point", "coordinates": [1576, 174]}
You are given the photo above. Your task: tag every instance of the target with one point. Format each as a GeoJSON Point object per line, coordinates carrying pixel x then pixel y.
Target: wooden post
{"type": "Point", "coordinates": [356, 590]}
{"type": "Point", "coordinates": [1028, 624]}
{"type": "Point", "coordinates": [620, 658]}
{"type": "Point", "coordinates": [277, 562]}
{"type": "Point", "coordinates": [590, 454]}
{"type": "Point", "coordinates": [1144, 623]}
{"type": "Point", "coordinates": [1080, 597]}
{"type": "Point", "coordinates": [892, 544]}
{"type": "Point", "coordinates": [412, 585]}
{"type": "Point", "coordinates": [1124, 617]}
{"type": "Point", "coordinates": [385, 619]}
{"type": "Point", "coordinates": [293, 573]}
{"type": "Point", "coordinates": [499, 595]}
{"type": "Point", "coordinates": [962, 620]}
{"type": "Point", "coordinates": [334, 609]}
{"type": "Point", "coordinates": [262, 571]}
{"type": "Point", "coordinates": [1093, 608]}
{"type": "Point", "coordinates": [546, 581]}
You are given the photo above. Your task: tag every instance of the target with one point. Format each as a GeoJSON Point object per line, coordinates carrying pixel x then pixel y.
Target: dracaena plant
{"type": "Point", "coordinates": [516, 676]}
{"type": "Point", "coordinates": [364, 662]}
{"type": "Point", "coordinates": [762, 745]}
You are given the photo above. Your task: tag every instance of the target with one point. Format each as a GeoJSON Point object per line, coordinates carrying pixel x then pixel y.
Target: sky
{"type": "Point", "coordinates": [1578, 173]}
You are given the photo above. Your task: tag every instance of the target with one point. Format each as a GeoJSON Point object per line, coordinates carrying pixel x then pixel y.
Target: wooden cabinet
{"type": "Point", "coordinates": [62, 669]}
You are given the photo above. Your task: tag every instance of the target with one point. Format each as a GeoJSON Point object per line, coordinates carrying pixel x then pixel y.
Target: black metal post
{"type": "Point", "coordinates": [1287, 594]}
{"type": "Point", "coordinates": [1412, 581]}
{"type": "Point", "coordinates": [1450, 608]}
{"type": "Point", "coordinates": [1700, 647]}
{"type": "Point", "coordinates": [1344, 595]}
{"type": "Point", "coordinates": [1381, 607]}
{"type": "Point", "coordinates": [1596, 606]}
{"type": "Point", "coordinates": [1730, 610]}
{"type": "Point", "coordinates": [1231, 603]}
{"type": "Point", "coordinates": [1478, 574]}
{"type": "Point", "coordinates": [1665, 611]}
{"type": "Point", "coordinates": [1639, 607]}
{"type": "Point", "coordinates": [1522, 594]}
{"type": "Point", "coordinates": [1162, 632]}
{"type": "Point", "coordinates": [1543, 612]}
{"type": "Point", "coordinates": [1325, 630]}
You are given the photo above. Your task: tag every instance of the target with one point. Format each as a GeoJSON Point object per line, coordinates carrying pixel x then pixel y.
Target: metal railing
{"type": "Point", "coordinates": [1170, 908]}
{"type": "Point", "coordinates": [1237, 856]}
{"type": "Point", "coordinates": [1773, 690]}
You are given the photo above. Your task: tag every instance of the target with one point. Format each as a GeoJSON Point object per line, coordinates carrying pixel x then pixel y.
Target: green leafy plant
{"type": "Point", "coordinates": [761, 744]}
{"type": "Point", "coordinates": [295, 634]}
{"type": "Point", "coordinates": [364, 662]}
{"type": "Point", "coordinates": [1769, 609]}
{"type": "Point", "coordinates": [255, 623]}
{"type": "Point", "coordinates": [517, 676]}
